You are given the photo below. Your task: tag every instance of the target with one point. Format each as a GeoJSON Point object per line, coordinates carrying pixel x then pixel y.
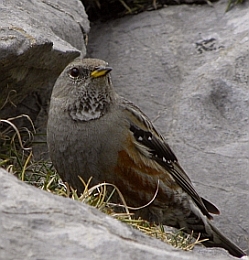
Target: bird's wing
{"type": "Point", "coordinates": [146, 135]}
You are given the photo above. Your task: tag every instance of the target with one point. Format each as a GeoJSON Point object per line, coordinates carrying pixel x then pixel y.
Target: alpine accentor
{"type": "Point", "coordinates": [93, 132]}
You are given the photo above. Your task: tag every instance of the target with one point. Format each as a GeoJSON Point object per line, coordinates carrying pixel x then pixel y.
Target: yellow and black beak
{"type": "Point", "coordinates": [100, 71]}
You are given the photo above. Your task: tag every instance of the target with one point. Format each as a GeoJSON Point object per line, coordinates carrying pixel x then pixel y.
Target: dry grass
{"type": "Point", "coordinates": [16, 157]}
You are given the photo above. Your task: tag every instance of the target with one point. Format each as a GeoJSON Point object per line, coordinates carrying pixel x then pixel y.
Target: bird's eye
{"type": "Point", "coordinates": [74, 72]}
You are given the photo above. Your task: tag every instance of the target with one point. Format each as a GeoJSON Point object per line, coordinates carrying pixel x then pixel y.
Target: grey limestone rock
{"type": "Point", "coordinates": [38, 39]}
{"type": "Point", "coordinates": [187, 67]}
{"type": "Point", "coordinates": [35, 224]}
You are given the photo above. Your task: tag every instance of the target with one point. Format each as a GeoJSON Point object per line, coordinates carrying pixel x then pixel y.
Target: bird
{"type": "Point", "coordinates": [92, 132]}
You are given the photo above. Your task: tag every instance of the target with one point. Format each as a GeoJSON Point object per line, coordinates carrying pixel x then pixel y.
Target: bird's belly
{"type": "Point", "coordinates": [84, 150]}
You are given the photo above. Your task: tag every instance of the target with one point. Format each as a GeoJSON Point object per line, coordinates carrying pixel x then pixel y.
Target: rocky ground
{"type": "Point", "coordinates": [185, 66]}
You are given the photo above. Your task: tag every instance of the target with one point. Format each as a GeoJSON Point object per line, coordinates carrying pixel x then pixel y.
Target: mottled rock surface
{"type": "Point", "coordinates": [35, 224]}
{"type": "Point", "coordinates": [38, 39]}
{"type": "Point", "coordinates": [187, 67]}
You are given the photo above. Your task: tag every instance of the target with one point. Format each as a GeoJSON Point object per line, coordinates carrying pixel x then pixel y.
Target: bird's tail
{"type": "Point", "coordinates": [219, 240]}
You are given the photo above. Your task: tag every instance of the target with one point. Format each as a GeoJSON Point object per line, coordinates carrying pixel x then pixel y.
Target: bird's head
{"type": "Point", "coordinates": [85, 89]}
